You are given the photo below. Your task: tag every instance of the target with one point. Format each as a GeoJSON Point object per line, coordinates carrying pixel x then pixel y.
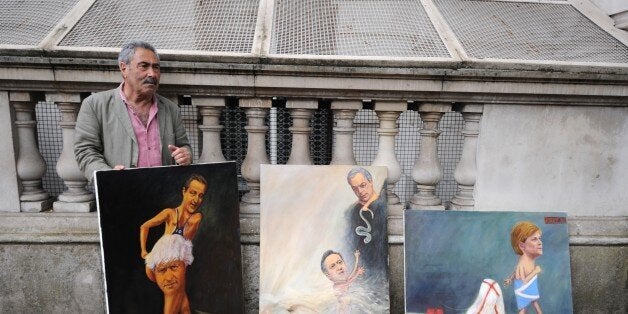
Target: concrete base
{"type": "Point", "coordinates": [37, 206]}
{"type": "Point", "coordinates": [54, 266]}
{"type": "Point", "coordinates": [51, 278]}
{"type": "Point", "coordinates": [83, 207]}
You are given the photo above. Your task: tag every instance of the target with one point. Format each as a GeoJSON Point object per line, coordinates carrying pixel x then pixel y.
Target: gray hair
{"type": "Point", "coordinates": [170, 247]}
{"type": "Point", "coordinates": [361, 170]}
{"type": "Point", "coordinates": [128, 50]}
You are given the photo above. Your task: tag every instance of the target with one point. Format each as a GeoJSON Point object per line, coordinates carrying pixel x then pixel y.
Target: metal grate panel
{"type": "Point", "coordinates": [529, 31]}
{"type": "Point", "coordinates": [407, 145]}
{"type": "Point", "coordinates": [355, 28]}
{"type": "Point", "coordinates": [28, 22]}
{"type": "Point", "coordinates": [50, 140]}
{"type": "Point", "coordinates": [217, 25]}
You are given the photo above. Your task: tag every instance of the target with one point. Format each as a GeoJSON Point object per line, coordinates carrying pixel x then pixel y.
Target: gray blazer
{"type": "Point", "coordinates": [104, 136]}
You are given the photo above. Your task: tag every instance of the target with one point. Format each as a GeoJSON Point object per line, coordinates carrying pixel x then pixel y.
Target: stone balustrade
{"type": "Point", "coordinates": [33, 213]}
{"type": "Point", "coordinates": [426, 174]}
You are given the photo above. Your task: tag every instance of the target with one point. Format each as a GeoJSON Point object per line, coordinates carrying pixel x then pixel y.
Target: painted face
{"type": "Point", "coordinates": [193, 195]}
{"type": "Point", "coordinates": [336, 268]}
{"type": "Point", "coordinates": [143, 72]}
{"type": "Point", "coordinates": [170, 276]}
{"type": "Point", "coordinates": [533, 246]}
{"type": "Point", "coordinates": [362, 188]}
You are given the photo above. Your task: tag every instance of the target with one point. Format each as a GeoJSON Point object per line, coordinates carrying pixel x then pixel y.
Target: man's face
{"type": "Point", "coordinates": [533, 246]}
{"type": "Point", "coordinates": [336, 268]}
{"type": "Point", "coordinates": [143, 72]}
{"type": "Point", "coordinates": [170, 276]}
{"type": "Point", "coordinates": [362, 188]}
{"type": "Point", "coordinates": [193, 195]}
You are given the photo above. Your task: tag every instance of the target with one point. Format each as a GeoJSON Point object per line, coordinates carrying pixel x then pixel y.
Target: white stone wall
{"type": "Point", "coordinates": [553, 158]}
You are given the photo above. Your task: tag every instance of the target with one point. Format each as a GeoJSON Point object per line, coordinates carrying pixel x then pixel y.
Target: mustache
{"type": "Point", "coordinates": [150, 80]}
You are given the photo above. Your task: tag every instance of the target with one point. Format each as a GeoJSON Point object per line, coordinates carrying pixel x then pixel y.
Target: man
{"type": "Point", "coordinates": [166, 265]}
{"type": "Point", "coordinates": [183, 219]}
{"type": "Point", "coordinates": [131, 126]}
{"type": "Point", "coordinates": [367, 219]}
{"type": "Point", "coordinates": [335, 269]}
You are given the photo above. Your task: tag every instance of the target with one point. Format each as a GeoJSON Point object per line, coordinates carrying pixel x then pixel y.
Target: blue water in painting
{"type": "Point", "coordinates": [448, 253]}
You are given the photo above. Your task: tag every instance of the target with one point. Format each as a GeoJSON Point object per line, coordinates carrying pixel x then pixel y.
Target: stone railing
{"type": "Point", "coordinates": [392, 88]}
{"type": "Point", "coordinates": [480, 94]}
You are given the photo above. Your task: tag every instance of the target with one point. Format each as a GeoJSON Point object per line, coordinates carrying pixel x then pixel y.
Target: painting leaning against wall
{"type": "Point", "coordinates": [170, 239]}
{"type": "Point", "coordinates": [486, 262]}
{"type": "Point", "coordinates": [323, 240]}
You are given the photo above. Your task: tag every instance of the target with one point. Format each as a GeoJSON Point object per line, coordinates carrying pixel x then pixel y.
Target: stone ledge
{"type": "Point", "coordinates": [51, 227]}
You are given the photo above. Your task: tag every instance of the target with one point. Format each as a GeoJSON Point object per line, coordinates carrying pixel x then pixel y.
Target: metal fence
{"type": "Point", "coordinates": [234, 141]}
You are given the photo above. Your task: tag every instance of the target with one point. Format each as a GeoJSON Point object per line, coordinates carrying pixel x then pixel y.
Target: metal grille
{"type": "Point", "coordinates": [233, 138]}
{"type": "Point", "coordinates": [234, 142]}
{"type": "Point", "coordinates": [221, 26]}
{"type": "Point", "coordinates": [529, 31]}
{"type": "Point", "coordinates": [407, 145]}
{"type": "Point", "coordinates": [355, 28]}
{"type": "Point", "coordinates": [50, 139]}
{"type": "Point", "coordinates": [320, 137]}
{"type": "Point", "coordinates": [450, 143]}
{"type": "Point", "coordinates": [28, 22]}
{"type": "Point", "coordinates": [189, 114]}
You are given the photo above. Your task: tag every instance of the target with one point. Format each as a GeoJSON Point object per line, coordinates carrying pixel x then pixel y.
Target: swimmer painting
{"type": "Point", "coordinates": [198, 203]}
{"type": "Point", "coordinates": [467, 262]}
{"type": "Point", "coordinates": [323, 239]}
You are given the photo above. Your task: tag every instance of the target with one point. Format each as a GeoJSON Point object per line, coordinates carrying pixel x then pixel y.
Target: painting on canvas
{"type": "Point", "coordinates": [170, 239]}
{"type": "Point", "coordinates": [323, 241]}
{"type": "Point", "coordinates": [486, 262]}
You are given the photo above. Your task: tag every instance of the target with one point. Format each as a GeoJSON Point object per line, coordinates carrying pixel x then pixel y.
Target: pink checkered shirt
{"type": "Point", "coordinates": [147, 136]}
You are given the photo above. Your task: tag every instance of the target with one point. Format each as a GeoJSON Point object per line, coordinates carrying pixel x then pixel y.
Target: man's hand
{"type": "Point", "coordinates": [118, 167]}
{"type": "Point", "coordinates": [181, 155]}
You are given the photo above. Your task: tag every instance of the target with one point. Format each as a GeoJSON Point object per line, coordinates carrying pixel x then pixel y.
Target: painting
{"type": "Point", "coordinates": [170, 239]}
{"type": "Point", "coordinates": [323, 239]}
{"type": "Point", "coordinates": [486, 262]}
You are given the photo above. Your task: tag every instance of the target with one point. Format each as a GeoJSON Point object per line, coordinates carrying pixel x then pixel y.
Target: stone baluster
{"type": "Point", "coordinates": [388, 113]}
{"type": "Point", "coordinates": [301, 112]}
{"type": "Point", "coordinates": [256, 112]}
{"type": "Point", "coordinates": [210, 109]}
{"type": "Point", "coordinates": [427, 170]}
{"type": "Point", "coordinates": [344, 113]}
{"type": "Point", "coordinates": [76, 198]}
{"type": "Point", "coordinates": [466, 170]}
{"type": "Point", "coordinates": [31, 166]}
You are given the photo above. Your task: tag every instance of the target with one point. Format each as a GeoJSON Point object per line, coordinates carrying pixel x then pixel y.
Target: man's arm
{"type": "Point", "coordinates": [153, 222]}
{"type": "Point", "coordinates": [88, 146]}
{"type": "Point", "coordinates": [192, 227]}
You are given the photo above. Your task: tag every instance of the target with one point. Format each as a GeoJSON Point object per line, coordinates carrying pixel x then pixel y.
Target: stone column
{"type": "Point", "coordinates": [9, 182]}
{"type": "Point", "coordinates": [76, 198]}
{"type": "Point", "coordinates": [344, 113]}
{"type": "Point", "coordinates": [210, 109]}
{"type": "Point", "coordinates": [256, 112]}
{"type": "Point", "coordinates": [301, 112]}
{"type": "Point", "coordinates": [466, 170]}
{"type": "Point", "coordinates": [427, 170]}
{"type": "Point", "coordinates": [31, 166]}
{"type": "Point", "coordinates": [388, 112]}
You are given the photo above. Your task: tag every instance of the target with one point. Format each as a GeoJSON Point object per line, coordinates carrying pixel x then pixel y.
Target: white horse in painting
{"type": "Point", "coordinates": [489, 300]}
